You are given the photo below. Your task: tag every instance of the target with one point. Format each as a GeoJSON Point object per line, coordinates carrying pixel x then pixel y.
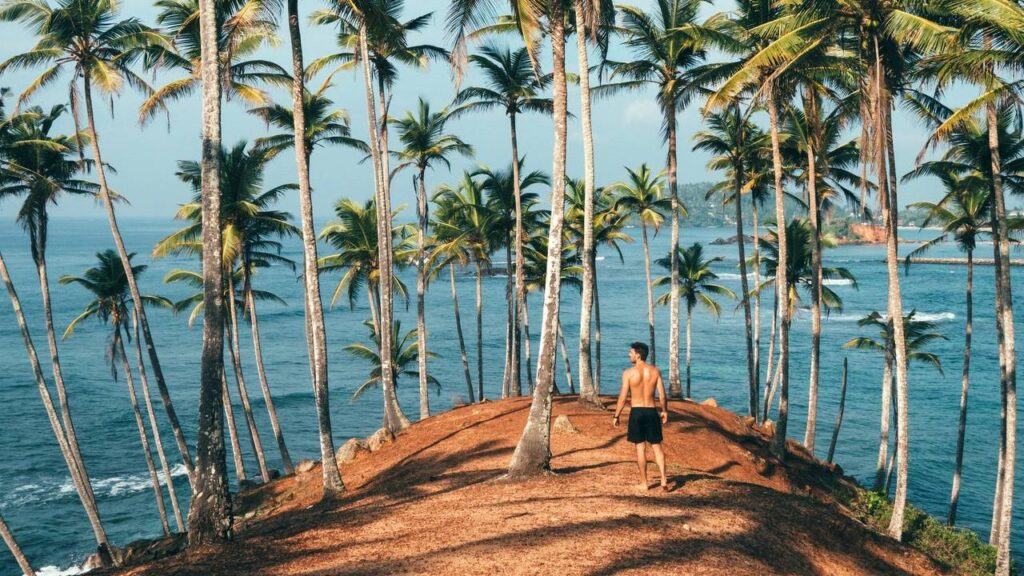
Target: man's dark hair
{"type": "Point", "coordinates": [641, 349]}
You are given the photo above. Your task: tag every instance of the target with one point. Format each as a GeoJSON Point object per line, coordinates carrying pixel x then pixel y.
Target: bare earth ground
{"type": "Point", "coordinates": [432, 502]}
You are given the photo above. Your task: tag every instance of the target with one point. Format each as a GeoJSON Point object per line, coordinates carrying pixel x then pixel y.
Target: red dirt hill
{"type": "Point", "coordinates": [432, 502]}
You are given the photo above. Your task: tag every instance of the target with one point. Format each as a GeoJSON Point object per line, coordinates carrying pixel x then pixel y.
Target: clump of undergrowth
{"type": "Point", "coordinates": [959, 549]}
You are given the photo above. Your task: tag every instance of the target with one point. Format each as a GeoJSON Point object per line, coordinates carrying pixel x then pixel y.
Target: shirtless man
{"type": "Point", "coordinates": [639, 384]}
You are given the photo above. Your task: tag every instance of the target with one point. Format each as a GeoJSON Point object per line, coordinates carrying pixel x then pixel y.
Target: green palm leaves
{"type": "Point", "coordinates": [696, 279]}
{"type": "Point", "coordinates": [405, 357]}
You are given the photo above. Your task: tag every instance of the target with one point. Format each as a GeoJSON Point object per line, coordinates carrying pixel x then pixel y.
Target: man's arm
{"type": "Point", "coordinates": [623, 393]}
{"type": "Point", "coordinates": [662, 398]}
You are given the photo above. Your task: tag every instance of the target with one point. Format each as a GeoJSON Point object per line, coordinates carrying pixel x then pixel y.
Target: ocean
{"type": "Point", "coordinates": [39, 503]}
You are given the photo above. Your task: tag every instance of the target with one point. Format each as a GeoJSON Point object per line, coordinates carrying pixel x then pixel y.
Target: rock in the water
{"type": "Point", "coordinates": [275, 474]}
{"type": "Point", "coordinates": [247, 484]}
{"type": "Point", "coordinates": [304, 466]}
{"type": "Point", "coordinates": [351, 450]}
{"type": "Point", "coordinates": [379, 439]}
{"type": "Point", "coordinates": [710, 402]}
{"type": "Point", "coordinates": [563, 424]}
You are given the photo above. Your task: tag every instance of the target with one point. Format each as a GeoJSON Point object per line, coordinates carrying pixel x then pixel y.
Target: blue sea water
{"type": "Point", "coordinates": [39, 503]}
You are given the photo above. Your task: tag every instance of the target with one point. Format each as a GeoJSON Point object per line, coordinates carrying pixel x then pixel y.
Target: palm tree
{"type": "Point", "coordinates": [513, 208]}
{"type": "Point", "coordinates": [89, 37]}
{"type": "Point", "coordinates": [511, 86]}
{"type": "Point", "coordinates": [251, 233]}
{"type": "Point", "coordinates": [736, 143]}
{"type": "Point", "coordinates": [39, 166]}
{"type": "Point", "coordinates": [405, 357]}
{"type": "Point", "coordinates": [465, 222]}
{"type": "Point", "coordinates": [209, 514]}
{"type": "Point", "coordinates": [354, 236]}
{"type": "Point", "coordinates": [667, 44]}
{"type": "Point", "coordinates": [424, 144]}
{"type": "Point", "coordinates": [316, 333]}
{"type": "Point", "coordinates": [696, 286]}
{"type": "Point", "coordinates": [109, 288]}
{"type": "Point", "coordinates": [642, 197]}
{"type": "Point", "coordinates": [246, 26]}
{"type": "Point", "coordinates": [919, 334]}
{"type": "Point", "coordinates": [964, 214]}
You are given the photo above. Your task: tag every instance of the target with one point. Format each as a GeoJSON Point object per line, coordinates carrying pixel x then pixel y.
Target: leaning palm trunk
{"type": "Point", "coordinates": [769, 389]}
{"type": "Point", "coordinates": [565, 359]}
{"type": "Point", "coordinates": [1003, 560]}
{"type": "Point", "coordinates": [689, 334]}
{"type": "Point", "coordinates": [236, 446]}
{"type": "Point", "coordinates": [954, 499]}
{"type": "Point", "coordinates": [507, 375]}
{"type": "Point", "coordinates": [589, 393]}
{"type": "Point", "coordinates": [997, 500]}
{"type": "Point", "coordinates": [91, 511]}
{"type": "Point", "coordinates": [752, 384]}
{"type": "Point", "coordinates": [532, 455]}
{"type": "Point", "coordinates": [155, 426]}
{"type": "Point", "coordinates": [886, 417]}
{"type": "Point", "coordinates": [394, 419]}
{"type": "Point", "coordinates": [674, 392]}
{"type": "Point", "coordinates": [479, 332]}
{"type": "Point", "coordinates": [519, 285]}
{"type": "Point", "coordinates": [462, 340]}
{"type": "Point", "coordinates": [12, 545]}
{"type": "Point", "coordinates": [314, 308]}
{"type": "Point", "coordinates": [527, 343]}
{"type": "Point", "coordinates": [154, 479]}
{"type": "Point", "coordinates": [133, 287]}
{"type": "Point", "coordinates": [757, 293]}
{"type": "Point", "coordinates": [597, 334]}
{"type": "Point", "coordinates": [839, 414]}
{"type": "Point", "coordinates": [781, 280]}
{"type": "Point", "coordinates": [815, 215]}
{"type": "Point", "coordinates": [421, 290]}
{"type": "Point", "coordinates": [673, 334]}
{"type": "Point", "coordinates": [268, 399]}
{"type": "Point", "coordinates": [243, 392]}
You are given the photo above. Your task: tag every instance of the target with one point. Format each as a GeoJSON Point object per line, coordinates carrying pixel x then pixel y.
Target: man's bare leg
{"type": "Point", "coordinates": [659, 457]}
{"type": "Point", "coordinates": [641, 464]}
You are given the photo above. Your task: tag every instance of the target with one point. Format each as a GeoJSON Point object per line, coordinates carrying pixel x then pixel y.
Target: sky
{"type": "Point", "coordinates": [626, 129]}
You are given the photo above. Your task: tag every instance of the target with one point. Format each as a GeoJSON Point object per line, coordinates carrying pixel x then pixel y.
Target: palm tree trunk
{"type": "Point", "coordinates": [814, 212]}
{"type": "Point", "coordinates": [479, 332]}
{"type": "Point", "coordinates": [673, 334]}
{"type": "Point", "coordinates": [893, 454]}
{"type": "Point", "coordinates": [757, 292]}
{"type": "Point", "coordinates": [12, 545]}
{"type": "Point", "coordinates": [268, 399]}
{"type": "Point", "coordinates": [462, 340]}
{"type": "Point", "coordinates": [769, 380]}
{"type": "Point", "coordinates": [781, 280]}
{"type": "Point", "coordinates": [895, 312]}
{"type": "Point", "coordinates": [236, 447]}
{"type": "Point", "coordinates": [839, 414]}
{"type": "Point", "coordinates": [752, 384]}
{"type": "Point", "coordinates": [886, 417]}
{"type": "Point", "coordinates": [689, 334]}
{"type": "Point", "coordinates": [333, 484]}
{"type": "Point", "coordinates": [597, 335]}
{"type": "Point", "coordinates": [965, 382]}
{"type": "Point", "coordinates": [421, 291]}
{"type": "Point", "coordinates": [520, 278]}
{"type": "Point", "coordinates": [528, 345]}
{"type": "Point", "coordinates": [506, 381]}
{"type": "Point", "coordinates": [243, 393]}
{"type": "Point", "coordinates": [394, 419]}
{"type": "Point", "coordinates": [997, 501]}
{"type": "Point", "coordinates": [133, 287]}
{"type": "Point", "coordinates": [649, 285]}
{"type": "Point", "coordinates": [155, 426]}
{"type": "Point", "coordinates": [209, 515]}
{"type": "Point", "coordinates": [88, 503]}
{"type": "Point", "coordinates": [588, 392]}
{"type": "Point", "coordinates": [532, 455]}
{"type": "Point", "coordinates": [565, 360]}
{"type": "Point", "coordinates": [1003, 559]}
{"type": "Point", "coordinates": [120, 354]}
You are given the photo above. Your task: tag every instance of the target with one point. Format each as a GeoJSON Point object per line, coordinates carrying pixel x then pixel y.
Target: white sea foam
{"type": "Point", "coordinates": [838, 282]}
{"type": "Point", "coordinates": [922, 316]}
{"type": "Point", "coordinates": [113, 486]}
{"type": "Point", "coordinates": [55, 571]}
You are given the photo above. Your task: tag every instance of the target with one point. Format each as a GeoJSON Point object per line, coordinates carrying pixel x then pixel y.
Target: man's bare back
{"type": "Point", "coordinates": [639, 385]}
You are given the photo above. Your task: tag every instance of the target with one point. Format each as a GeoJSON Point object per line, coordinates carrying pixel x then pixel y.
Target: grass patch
{"type": "Point", "coordinates": [958, 549]}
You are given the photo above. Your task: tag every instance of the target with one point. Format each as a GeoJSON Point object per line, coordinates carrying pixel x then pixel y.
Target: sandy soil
{"type": "Point", "coordinates": [433, 502]}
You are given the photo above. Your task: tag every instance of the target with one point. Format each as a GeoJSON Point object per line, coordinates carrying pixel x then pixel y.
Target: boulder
{"type": "Point", "coordinates": [351, 450]}
{"type": "Point", "coordinates": [769, 427]}
{"type": "Point", "coordinates": [146, 551]}
{"type": "Point", "coordinates": [710, 402]}
{"type": "Point", "coordinates": [379, 439]}
{"type": "Point", "coordinates": [564, 425]}
{"type": "Point", "coordinates": [750, 421]}
{"type": "Point", "coordinates": [304, 466]}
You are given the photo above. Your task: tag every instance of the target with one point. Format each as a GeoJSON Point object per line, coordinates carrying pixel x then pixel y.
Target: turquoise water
{"type": "Point", "coordinates": [39, 503]}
